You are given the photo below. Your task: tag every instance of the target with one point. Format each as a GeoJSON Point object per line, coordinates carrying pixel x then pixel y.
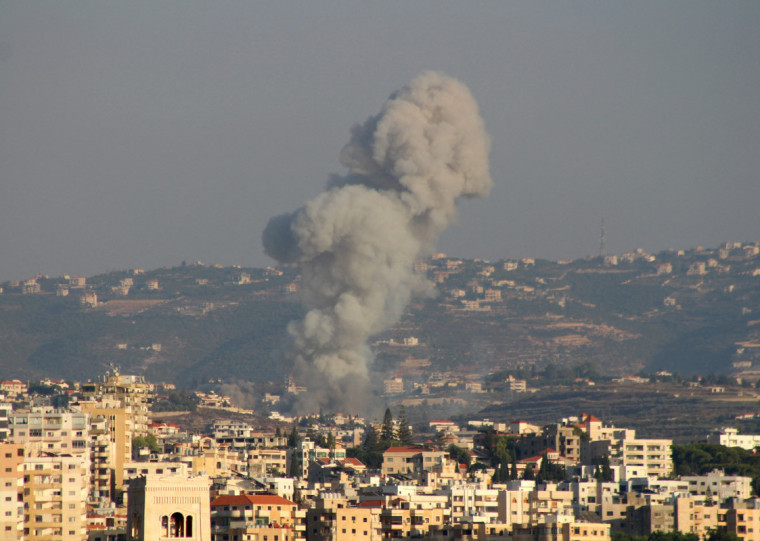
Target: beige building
{"type": "Point", "coordinates": [121, 430]}
{"type": "Point", "coordinates": [407, 460]}
{"type": "Point", "coordinates": [47, 430]}
{"type": "Point", "coordinates": [333, 519]}
{"type": "Point", "coordinates": [563, 531]}
{"type": "Point", "coordinates": [217, 459]}
{"type": "Point", "coordinates": [55, 496]}
{"type": "Point", "coordinates": [267, 461]}
{"type": "Point", "coordinates": [102, 458]}
{"type": "Point", "coordinates": [743, 519]}
{"type": "Point", "coordinates": [11, 491]}
{"type": "Point", "coordinates": [132, 391]}
{"type": "Point", "coordinates": [693, 516]}
{"type": "Point", "coordinates": [169, 506]}
{"type": "Point", "coordinates": [243, 511]}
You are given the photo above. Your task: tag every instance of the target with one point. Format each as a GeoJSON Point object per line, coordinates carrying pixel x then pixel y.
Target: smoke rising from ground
{"type": "Point", "coordinates": [356, 243]}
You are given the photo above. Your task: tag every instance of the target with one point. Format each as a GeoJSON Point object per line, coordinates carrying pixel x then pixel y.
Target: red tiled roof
{"type": "Point", "coordinates": [353, 461]}
{"type": "Point", "coordinates": [251, 499]}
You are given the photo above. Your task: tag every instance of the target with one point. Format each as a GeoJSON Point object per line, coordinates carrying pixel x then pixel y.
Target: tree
{"type": "Point", "coordinates": [722, 536]}
{"type": "Point", "coordinates": [331, 443]}
{"type": "Point", "coordinates": [528, 474]}
{"type": "Point", "coordinates": [295, 466]}
{"type": "Point", "coordinates": [149, 441]}
{"type": "Point", "coordinates": [387, 433]}
{"type": "Point", "coordinates": [294, 438]}
{"type": "Point", "coordinates": [371, 440]}
{"type": "Point", "coordinates": [461, 455]}
{"type": "Point", "coordinates": [404, 433]}
{"type": "Point", "coordinates": [606, 472]}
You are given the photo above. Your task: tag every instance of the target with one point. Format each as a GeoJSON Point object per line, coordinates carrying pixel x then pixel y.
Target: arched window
{"type": "Point", "coordinates": [165, 526]}
{"type": "Point", "coordinates": [189, 526]}
{"type": "Point", "coordinates": [177, 525]}
{"type": "Point", "coordinates": [135, 526]}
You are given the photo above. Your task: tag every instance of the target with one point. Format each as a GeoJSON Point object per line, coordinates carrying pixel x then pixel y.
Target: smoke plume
{"type": "Point", "coordinates": [356, 243]}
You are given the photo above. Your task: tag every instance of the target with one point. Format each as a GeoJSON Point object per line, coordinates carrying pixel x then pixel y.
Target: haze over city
{"type": "Point", "coordinates": [145, 134]}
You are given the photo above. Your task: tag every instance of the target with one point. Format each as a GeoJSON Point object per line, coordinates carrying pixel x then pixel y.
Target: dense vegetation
{"type": "Point", "coordinates": [700, 458]}
{"type": "Point", "coordinates": [176, 401]}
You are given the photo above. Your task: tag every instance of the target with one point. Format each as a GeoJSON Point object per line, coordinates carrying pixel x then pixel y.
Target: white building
{"type": "Point", "coordinates": [730, 437]}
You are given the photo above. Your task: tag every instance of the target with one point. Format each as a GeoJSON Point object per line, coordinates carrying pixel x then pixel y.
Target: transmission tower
{"type": "Point", "coordinates": [601, 239]}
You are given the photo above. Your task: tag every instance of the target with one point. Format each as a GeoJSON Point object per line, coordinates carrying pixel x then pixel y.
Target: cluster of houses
{"type": "Point", "coordinates": [90, 464]}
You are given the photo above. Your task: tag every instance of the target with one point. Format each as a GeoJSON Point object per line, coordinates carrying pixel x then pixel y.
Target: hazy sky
{"type": "Point", "coordinates": [142, 134]}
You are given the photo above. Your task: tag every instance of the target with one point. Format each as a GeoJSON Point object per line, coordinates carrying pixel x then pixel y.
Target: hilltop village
{"type": "Point", "coordinates": [688, 312]}
{"type": "Point", "coordinates": [99, 461]}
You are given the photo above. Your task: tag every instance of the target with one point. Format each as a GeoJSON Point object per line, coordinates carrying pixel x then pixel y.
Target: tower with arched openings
{"type": "Point", "coordinates": [169, 507]}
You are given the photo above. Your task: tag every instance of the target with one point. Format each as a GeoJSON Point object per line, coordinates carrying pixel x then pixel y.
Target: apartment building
{"type": "Point", "coordinates": [692, 515]}
{"type": "Point", "coordinates": [11, 491]}
{"type": "Point", "coordinates": [267, 461]}
{"type": "Point", "coordinates": [400, 518]}
{"type": "Point", "coordinates": [332, 518]}
{"type": "Point", "coordinates": [55, 496]}
{"type": "Point", "coordinates": [743, 519]}
{"type": "Point", "coordinates": [121, 431]}
{"type": "Point", "coordinates": [308, 450]}
{"type": "Point", "coordinates": [410, 460]}
{"type": "Point", "coordinates": [242, 511]}
{"type": "Point", "coordinates": [719, 486]}
{"type": "Point", "coordinates": [133, 392]}
{"type": "Point", "coordinates": [468, 502]}
{"type": "Point", "coordinates": [47, 430]}
{"type": "Point", "coordinates": [637, 457]}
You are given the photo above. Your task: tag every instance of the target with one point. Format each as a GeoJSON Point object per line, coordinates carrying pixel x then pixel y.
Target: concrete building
{"type": "Point", "coordinates": [11, 491]}
{"type": "Point", "coordinates": [743, 519]}
{"type": "Point", "coordinates": [169, 506]}
{"type": "Point", "coordinates": [55, 496]}
{"type": "Point", "coordinates": [47, 430]}
{"type": "Point", "coordinates": [718, 486]}
{"type": "Point", "coordinates": [407, 460]}
{"type": "Point", "coordinates": [240, 512]}
{"type": "Point", "coordinates": [121, 430]}
{"type": "Point", "coordinates": [730, 437]}
{"type": "Point", "coordinates": [333, 519]}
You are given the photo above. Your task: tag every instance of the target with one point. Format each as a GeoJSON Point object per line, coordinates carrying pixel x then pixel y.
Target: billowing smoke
{"type": "Point", "coordinates": [356, 243]}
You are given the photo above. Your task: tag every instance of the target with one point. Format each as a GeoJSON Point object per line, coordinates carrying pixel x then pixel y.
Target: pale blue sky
{"type": "Point", "coordinates": [141, 134]}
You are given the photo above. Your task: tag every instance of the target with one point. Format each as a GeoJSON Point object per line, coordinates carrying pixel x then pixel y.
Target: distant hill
{"type": "Point", "coordinates": [693, 311]}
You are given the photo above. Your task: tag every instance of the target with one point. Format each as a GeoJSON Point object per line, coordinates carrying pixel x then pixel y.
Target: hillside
{"type": "Point", "coordinates": [695, 311]}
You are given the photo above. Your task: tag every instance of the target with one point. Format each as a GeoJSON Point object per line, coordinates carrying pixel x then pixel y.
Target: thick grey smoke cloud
{"type": "Point", "coordinates": [356, 243]}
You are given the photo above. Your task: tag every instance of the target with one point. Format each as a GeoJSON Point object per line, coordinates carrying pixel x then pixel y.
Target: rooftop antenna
{"type": "Point", "coordinates": [601, 239]}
